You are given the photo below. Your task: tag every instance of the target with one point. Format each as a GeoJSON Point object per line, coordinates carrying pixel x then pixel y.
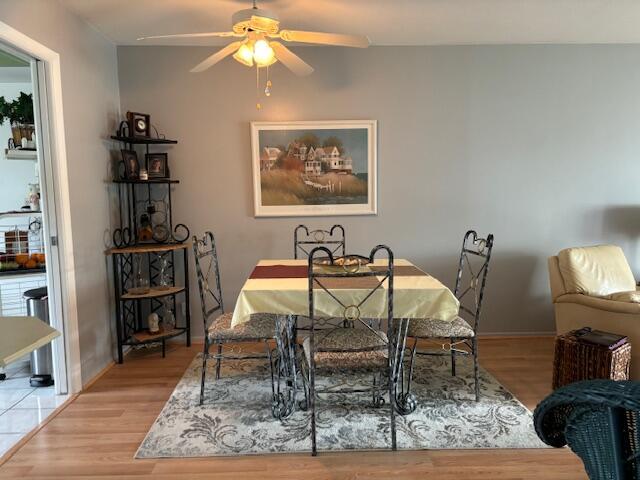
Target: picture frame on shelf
{"type": "Point", "coordinates": [157, 165]}
{"type": "Point", "coordinates": [131, 164]}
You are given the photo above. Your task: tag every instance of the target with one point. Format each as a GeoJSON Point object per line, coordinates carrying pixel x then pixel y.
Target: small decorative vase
{"type": "Point", "coordinates": [153, 321]}
{"type": "Point", "coordinates": [168, 318]}
{"type": "Point", "coordinates": [140, 281]}
{"type": "Point", "coordinates": [165, 280]}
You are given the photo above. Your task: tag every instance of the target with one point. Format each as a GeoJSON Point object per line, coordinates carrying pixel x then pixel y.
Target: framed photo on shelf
{"type": "Point", "coordinates": [131, 164]}
{"type": "Point", "coordinates": [314, 168]}
{"type": "Point", "coordinates": [157, 165]}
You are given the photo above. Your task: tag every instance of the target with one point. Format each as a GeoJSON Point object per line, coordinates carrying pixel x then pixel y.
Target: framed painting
{"type": "Point", "coordinates": [314, 168]}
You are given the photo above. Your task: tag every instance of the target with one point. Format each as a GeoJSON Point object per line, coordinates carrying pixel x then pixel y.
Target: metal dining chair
{"type": "Point", "coordinates": [305, 239]}
{"type": "Point", "coordinates": [457, 337]}
{"type": "Point", "coordinates": [350, 343]}
{"type": "Point", "coordinates": [217, 323]}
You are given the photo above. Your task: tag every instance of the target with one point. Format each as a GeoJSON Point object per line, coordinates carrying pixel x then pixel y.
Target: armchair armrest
{"type": "Point", "coordinates": [553, 414]}
{"type": "Point", "coordinates": [600, 303]}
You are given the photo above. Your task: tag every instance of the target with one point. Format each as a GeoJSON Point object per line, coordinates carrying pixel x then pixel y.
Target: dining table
{"type": "Point", "coordinates": [281, 287]}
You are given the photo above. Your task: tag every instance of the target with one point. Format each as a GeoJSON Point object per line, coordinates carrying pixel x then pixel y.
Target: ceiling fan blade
{"type": "Point", "coordinates": [358, 41]}
{"type": "Point", "coordinates": [190, 35]}
{"type": "Point", "coordinates": [216, 57]}
{"type": "Point", "coordinates": [291, 60]}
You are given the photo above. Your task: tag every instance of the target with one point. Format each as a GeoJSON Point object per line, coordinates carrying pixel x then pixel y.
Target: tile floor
{"type": "Point", "coordinates": [23, 407]}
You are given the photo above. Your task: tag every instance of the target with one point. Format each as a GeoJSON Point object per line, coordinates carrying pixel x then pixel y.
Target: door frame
{"type": "Point", "coordinates": [49, 83]}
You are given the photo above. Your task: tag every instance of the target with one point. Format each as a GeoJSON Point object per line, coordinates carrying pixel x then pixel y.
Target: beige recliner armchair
{"type": "Point", "coordinates": [594, 287]}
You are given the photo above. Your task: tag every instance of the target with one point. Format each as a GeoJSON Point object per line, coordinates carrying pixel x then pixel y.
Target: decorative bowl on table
{"type": "Point", "coordinates": [347, 263]}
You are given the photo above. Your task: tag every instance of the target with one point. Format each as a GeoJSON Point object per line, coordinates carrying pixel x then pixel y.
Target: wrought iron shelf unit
{"type": "Point", "coordinates": [144, 206]}
{"type": "Point", "coordinates": [133, 309]}
{"type": "Point", "coordinates": [148, 248]}
{"type": "Point", "coordinates": [144, 140]}
{"type": "Point", "coordinates": [145, 337]}
{"type": "Point", "coordinates": [147, 234]}
{"type": "Point", "coordinates": [154, 292]}
{"type": "Point", "coordinates": [152, 181]}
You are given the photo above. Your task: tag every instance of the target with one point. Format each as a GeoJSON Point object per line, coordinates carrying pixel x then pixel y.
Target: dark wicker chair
{"type": "Point", "coordinates": [217, 323]}
{"type": "Point", "coordinates": [600, 420]}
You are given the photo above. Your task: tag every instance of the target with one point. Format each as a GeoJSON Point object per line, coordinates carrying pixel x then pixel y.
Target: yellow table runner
{"type": "Point", "coordinates": [22, 335]}
{"type": "Point", "coordinates": [415, 294]}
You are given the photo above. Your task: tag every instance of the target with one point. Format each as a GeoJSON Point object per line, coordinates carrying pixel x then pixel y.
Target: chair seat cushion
{"type": "Point", "coordinates": [350, 360]}
{"type": "Point", "coordinates": [349, 340]}
{"type": "Point", "coordinates": [428, 328]}
{"type": "Point", "coordinates": [629, 297]}
{"type": "Point", "coordinates": [261, 326]}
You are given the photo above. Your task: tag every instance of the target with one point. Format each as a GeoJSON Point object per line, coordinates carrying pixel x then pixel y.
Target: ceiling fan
{"type": "Point", "coordinates": [259, 32]}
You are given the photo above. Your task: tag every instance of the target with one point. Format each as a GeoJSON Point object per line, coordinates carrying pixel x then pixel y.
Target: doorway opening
{"type": "Point", "coordinates": [32, 386]}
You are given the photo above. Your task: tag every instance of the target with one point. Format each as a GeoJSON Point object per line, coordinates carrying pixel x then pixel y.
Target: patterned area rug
{"type": "Point", "coordinates": [236, 417]}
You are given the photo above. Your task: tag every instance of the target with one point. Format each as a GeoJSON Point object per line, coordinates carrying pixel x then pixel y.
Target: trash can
{"type": "Point", "coordinates": [41, 359]}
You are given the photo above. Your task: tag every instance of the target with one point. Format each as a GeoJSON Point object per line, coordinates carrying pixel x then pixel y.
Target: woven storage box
{"type": "Point", "coordinates": [575, 361]}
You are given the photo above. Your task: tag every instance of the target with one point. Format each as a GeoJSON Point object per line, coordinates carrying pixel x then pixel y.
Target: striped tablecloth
{"type": "Point", "coordinates": [281, 287]}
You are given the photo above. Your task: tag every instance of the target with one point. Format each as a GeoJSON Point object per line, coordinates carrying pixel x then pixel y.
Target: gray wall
{"type": "Point", "coordinates": [91, 109]}
{"type": "Point", "coordinates": [538, 144]}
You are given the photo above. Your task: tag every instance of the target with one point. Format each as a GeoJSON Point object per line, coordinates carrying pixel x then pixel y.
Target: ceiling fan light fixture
{"type": "Point", "coordinates": [244, 55]}
{"type": "Point", "coordinates": [263, 54]}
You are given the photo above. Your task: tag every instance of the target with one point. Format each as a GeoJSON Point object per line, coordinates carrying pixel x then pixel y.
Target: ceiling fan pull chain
{"type": "Point", "coordinates": [267, 88]}
{"type": "Point", "coordinates": [258, 106]}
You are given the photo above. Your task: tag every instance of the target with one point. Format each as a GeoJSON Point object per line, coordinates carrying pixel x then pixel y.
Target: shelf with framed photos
{"type": "Point", "coordinates": [144, 189]}
{"type": "Point", "coordinates": [150, 249]}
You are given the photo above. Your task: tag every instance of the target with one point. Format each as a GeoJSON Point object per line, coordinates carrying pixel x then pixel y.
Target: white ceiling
{"type": "Point", "coordinates": [386, 22]}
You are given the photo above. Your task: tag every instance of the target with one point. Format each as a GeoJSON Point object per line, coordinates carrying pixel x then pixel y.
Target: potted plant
{"type": "Point", "coordinates": [19, 112]}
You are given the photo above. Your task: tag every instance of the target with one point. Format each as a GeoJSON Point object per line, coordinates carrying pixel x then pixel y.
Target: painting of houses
{"type": "Point", "coordinates": [268, 157]}
{"type": "Point", "coordinates": [314, 168]}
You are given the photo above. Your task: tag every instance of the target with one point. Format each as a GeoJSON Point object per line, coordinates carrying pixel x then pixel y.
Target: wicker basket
{"type": "Point", "coordinates": [575, 361]}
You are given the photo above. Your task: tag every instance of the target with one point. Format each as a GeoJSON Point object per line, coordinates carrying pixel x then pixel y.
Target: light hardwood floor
{"type": "Point", "coordinates": [97, 435]}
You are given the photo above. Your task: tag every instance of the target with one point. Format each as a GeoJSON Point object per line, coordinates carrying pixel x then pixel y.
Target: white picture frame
{"type": "Point", "coordinates": [294, 177]}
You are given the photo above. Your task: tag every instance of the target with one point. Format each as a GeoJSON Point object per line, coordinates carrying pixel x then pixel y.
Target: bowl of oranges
{"type": "Point", "coordinates": [22, 261]}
